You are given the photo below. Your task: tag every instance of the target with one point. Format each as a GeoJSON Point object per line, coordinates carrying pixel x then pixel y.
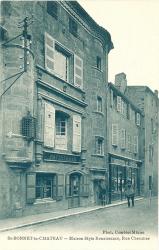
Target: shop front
{"type": "Point", "coordinates": [120, 170]}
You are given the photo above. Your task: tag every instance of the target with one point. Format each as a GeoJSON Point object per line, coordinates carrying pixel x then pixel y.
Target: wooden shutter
{"type": "Point", "coordinates": [111, 98]}
{"type": "Point", "coordinates": [49, 52]}
{"type": "Point", "coordinates": [31, 185]}
{"type": "Point", "coordinates": [119, 103]}
{"type": "Point", "coordinates": [67, 185]}
{"type": "Point", "coordinates": [60, 186]}
{"type": "Point", "coordinates": [136, 144]}
{"type": "Point", "coordinates": [138, 119]}
{"type": "Point", "coordinates": [78, 71]}
{"type": "Point", "coordinates": [76, 133]}
{"type": "Point", "coordinates": [122, 106]}
{"type": "Point", "coordinates": [84, 186]}
{"type": "Point", "coordinates": [54, 187]}
{"type": "Point", "coordinates": [129, 143]}
{"type": "Point", "coordinates": [49, 125]}
{"type": "Point", "coordinates": [114, 134]}
{"type": "Point", "coordinates": [123, 137]}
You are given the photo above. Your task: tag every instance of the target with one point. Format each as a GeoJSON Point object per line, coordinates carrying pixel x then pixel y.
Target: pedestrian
{"type": "Point", "coordinates": [129, 192]}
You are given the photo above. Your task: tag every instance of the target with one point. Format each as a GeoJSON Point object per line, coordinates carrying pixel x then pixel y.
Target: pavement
{"type": "Point", "coordinates": [15, 223]}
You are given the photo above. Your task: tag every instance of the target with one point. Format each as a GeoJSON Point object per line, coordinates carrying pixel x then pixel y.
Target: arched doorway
{"type": "Point", "coordinates": [76, 187]}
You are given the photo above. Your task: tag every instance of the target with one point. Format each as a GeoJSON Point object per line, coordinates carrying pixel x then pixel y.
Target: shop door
{"type": "Point", "coordinates": [74, 200]}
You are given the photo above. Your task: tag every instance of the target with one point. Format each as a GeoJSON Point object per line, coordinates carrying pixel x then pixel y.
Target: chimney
{"type": "Point", "coordinates": [121, 81]}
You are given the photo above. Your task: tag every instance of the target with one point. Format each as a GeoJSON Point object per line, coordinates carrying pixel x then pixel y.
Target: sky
{"type": "Point", "coordinates": [134, 29]}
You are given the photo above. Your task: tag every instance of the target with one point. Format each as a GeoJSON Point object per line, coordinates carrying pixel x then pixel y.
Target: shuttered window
{"type": "Point", "coordinates": [129, 143]}
{"type": "Point", "coordinates": [49, 53]}
{"type": "Point", "coordinates": [123, 138]}
{"type": "Point", "coordinates": [60, 186]}
{"type": "Point", "coordinates": [114, 134]}
{"type": "Point", "coordinates": [78, 71]}
{"type": "Point", "coordinates": [84, 189]}
{"type": "Point", "coordinates": [76, 133]}
{"type": "Point", "coordinates": [137, 119]}
{"type": "Point", "coordinates": [111, 98]}
{"type": "Point", "coordinates": [119, 100]}
{"type": "Point", "coordinates": [135, 144]}
{"type": "Point", "coordinates": [31, 183]}
{"type": "Point", "coordinates": [49, 125]}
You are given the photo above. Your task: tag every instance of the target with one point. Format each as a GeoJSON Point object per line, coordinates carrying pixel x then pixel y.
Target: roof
{"type": "Point", "coordinates": [112, 86]}
{"type": "Point", "coordinates": [100, 31]}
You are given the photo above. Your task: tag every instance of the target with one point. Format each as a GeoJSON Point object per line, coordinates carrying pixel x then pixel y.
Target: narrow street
{"type": "Point", "coordinates": [117, 227]}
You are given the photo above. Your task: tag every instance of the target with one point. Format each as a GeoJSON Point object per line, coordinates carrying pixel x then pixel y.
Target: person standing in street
{"type": "Point", "coordinates": [129, 192]}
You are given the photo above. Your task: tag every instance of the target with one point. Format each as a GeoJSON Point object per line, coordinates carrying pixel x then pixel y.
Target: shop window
{"type": "Point", "coordinates": [52, 9]}
{"type": "Point", "coordinates": [73, 28]}
{"type": "Point", "coordinates": [99, 104]}
{"type": "Point", "coordinates": [61, 131]}
{"type": "Point", "coordinates": [99, 147]}
{"type": "Point", "coordinates": [44, 186]}
{"type": "Point", "coordinates": [99, 63]}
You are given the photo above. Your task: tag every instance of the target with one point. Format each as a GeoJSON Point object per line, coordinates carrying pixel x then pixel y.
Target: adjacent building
{"type": "Point", "coordinates": [148, 102]}
{"type": "Point", "coordinates": [124, 130]}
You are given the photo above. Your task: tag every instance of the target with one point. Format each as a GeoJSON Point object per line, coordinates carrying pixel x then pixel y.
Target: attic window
{"type": "Point", "coordinates": [73, 27]}
{"type": "Point", "coordinates": [52, 9]}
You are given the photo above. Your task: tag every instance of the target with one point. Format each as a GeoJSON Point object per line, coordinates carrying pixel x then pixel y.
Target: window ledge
{"type": "Point", "coordinates": [57, 77]}
{"type": "Point", "coordinates": [94, 67]}
{"type": "Point", "coordinates": [97, 155]}
{"type": "Point", "coordinates": [98, 112]}
{"type": "Point", "coordinates": [44, 201]}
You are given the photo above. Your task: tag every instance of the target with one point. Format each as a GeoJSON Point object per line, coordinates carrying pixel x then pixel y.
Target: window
{"type": "Point", "coordinates": [56, 58]}
{"type": "Point", "coordinates": [137, 119]}
{"type": "Point", "coordinates": [99, 146]}
{"type": "Point", "coordinates": [99, 63]}
{"type": "Point", "coordinates": [119, 100]}
{"type": "Point", "coordinates": [76, 134]}
{"type": "Point", "coordinates": [78, 71]}
{"type": "Point", "coordinates": [73, 28]}
{"type": "Point", "coordinates": [52, 8]}
{"type": "Point", "coordinates": [61, 131]}
{"type": "Point", "coordinates": [129, 143]}
{"type": "Point", "coordinates": [150, 153]}
{"type": "Point", "coordinates": [99, 104]}
{"type": "Point", "coordinates": [123, 138]}
{"type": "Point", "coordinates": [111, 98]}
{"type": "Point", "coordinates": [44, 186]}
{"type": "Point", "coordinates": [114, 134]}
{"type": "Point", "coordinates": [135, 144]}
{"type": "Point", "coordinates": [152, 126]}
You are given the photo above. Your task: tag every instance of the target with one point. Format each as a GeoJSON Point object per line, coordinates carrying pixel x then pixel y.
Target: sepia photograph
{"type": "Point", "coordinates": [79, 123]}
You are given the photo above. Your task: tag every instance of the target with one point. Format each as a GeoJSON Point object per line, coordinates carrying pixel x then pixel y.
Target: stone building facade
{"type": "Point", "coordinates": [53, 112]}
{"type": "Point", "coordinates": [148, 102]}
{"type": "Point", "coordinates": [124, 130]}
{"type": "Point", "coordinates": [67, 137]}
